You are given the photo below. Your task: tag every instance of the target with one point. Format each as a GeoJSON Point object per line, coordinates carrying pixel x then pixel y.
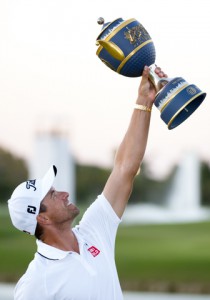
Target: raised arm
{"type": "Point", "coordinates": [132, 148]}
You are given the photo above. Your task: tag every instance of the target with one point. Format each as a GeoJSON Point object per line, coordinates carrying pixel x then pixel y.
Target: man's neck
{"type": "Point", "coordinates": [63, 240]}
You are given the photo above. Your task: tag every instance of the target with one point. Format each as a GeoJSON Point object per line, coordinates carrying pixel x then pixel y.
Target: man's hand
{"type": "Point", "coordinates": [147, 91]}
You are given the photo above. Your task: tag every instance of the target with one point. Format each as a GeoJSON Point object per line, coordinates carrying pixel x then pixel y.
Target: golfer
{"type": "Point", "coordinates": [78, 263]}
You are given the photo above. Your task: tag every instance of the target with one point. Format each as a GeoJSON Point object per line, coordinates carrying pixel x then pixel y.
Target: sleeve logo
{"type": "Point", "coordinates": [94, 251]}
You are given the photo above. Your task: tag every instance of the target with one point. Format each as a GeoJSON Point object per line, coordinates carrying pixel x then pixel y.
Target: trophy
{"type": "Point", "coordinates": [126, 47]}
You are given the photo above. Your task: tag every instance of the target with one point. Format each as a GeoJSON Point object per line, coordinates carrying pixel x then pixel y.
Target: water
{"type": "Point", "coordinates": [185, 191]}
{"type": "Point", "coordinates": [6, 293]}
{"type": "Point", "coordinates": [161, 296]}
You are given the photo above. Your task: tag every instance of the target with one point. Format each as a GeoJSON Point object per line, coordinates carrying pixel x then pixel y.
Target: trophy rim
{"type": "Point", "coordinates": [183, 106]}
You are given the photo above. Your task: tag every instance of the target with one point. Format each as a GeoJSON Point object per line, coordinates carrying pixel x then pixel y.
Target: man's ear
{"type": "Point", "coordinates": [42, 219]}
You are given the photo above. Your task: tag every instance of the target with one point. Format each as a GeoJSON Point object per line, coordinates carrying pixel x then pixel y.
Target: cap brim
{"type": "Point", "coordinates": [48, 180]}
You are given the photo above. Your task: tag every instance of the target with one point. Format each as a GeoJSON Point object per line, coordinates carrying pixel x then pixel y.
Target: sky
{"type": "Point", "coordinates": [50, 77]}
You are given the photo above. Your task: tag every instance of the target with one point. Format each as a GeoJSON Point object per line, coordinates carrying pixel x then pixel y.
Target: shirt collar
{"type": "Point", "coordinates": [50, 252]}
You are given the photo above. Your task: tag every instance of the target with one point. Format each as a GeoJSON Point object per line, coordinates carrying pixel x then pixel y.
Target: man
{"type": "Point", "coordinates": [78, 263]}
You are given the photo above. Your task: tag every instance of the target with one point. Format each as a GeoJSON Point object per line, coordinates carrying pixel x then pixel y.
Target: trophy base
{"type": "Point", "coordinates": [177, 100]}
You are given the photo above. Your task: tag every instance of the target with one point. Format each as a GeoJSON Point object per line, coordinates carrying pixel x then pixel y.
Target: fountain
{"type": "Point", "coordinates": [183, 202]}
{"type": "Point", "coordinates": [52, 147]}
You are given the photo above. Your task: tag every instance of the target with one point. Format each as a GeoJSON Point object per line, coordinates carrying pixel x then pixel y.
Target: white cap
{"type": "Point", "coordinates": [24, 203]}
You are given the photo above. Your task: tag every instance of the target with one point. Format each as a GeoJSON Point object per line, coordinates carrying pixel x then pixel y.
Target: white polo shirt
{"type": "Point", "coordinates": [65, 275]}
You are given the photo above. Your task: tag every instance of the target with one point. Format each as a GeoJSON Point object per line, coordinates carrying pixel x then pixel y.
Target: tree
{"type": "Point", "coordinates": [13, 171]}
{"type": "Point", "coordinates": [90, 182]}
{"type": "Point", "coordinates": [205, 186]}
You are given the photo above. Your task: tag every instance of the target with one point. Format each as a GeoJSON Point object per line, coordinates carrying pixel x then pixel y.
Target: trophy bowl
{"type": "Point", "coordinates": [126, 48]}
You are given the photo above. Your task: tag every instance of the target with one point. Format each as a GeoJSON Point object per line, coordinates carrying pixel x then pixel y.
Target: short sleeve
{"type": "Point", "coordinates": [100, 222]}
{"type": "Point", "coordinates": [25, 286]}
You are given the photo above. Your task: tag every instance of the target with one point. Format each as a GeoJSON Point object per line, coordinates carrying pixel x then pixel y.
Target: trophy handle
{"type": "Point", "coordinates": [112, 49]}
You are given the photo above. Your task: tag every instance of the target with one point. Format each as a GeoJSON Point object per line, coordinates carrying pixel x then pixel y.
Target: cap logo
{"type": "Point", "coordinates": [31, 209]}
{"type": "Point", "coordinates": [31, 183]}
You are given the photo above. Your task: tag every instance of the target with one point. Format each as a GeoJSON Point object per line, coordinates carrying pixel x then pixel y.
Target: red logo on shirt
{"type": "Point", "coordinates": [94, 251]}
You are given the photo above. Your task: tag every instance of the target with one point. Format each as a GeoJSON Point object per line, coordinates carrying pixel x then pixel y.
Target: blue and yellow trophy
{"type": "Point", "coordinates": [126, 47]}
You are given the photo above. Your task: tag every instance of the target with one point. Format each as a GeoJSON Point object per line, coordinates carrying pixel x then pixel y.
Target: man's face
{"type": "Point", "coordinates": [59, 209]}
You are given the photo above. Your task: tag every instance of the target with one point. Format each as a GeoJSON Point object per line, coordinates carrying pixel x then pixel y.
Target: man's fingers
{"type": "Point", "coordinates": [146, 72]}
{"type": "Point", "coordinates": [160, 73]}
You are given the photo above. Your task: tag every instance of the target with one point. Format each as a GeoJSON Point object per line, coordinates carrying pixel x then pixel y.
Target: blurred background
{"type": "Point", "coordinates": [61, 105]}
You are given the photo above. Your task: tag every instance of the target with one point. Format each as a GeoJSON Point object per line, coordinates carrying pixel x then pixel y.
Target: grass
{"type": "Point", "coordinates": [149, 257]}
{"type": "Point", "coordinates": [16, 249]}
{"type": "Point", "coordinates": [169, 257]}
